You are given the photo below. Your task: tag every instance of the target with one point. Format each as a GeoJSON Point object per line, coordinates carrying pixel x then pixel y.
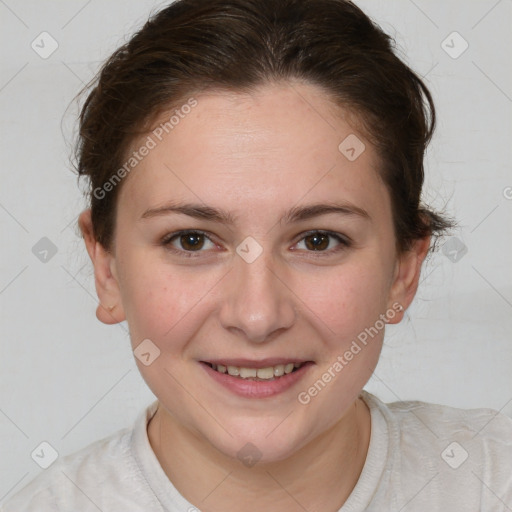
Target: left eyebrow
{"type": "Point", "coordinates": [300, 213]}
{"type": "Point", "coordinates": [295, 214]}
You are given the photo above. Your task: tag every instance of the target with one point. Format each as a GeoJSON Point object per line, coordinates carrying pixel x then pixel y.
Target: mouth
{"type": "Point", "coordinates": [261, 379]}
{"type": "Point", "coordinates": [256, 371]}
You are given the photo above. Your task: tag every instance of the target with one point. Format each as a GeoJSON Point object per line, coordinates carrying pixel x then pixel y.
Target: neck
{"type": "Point", "coordinates": [319, 476]}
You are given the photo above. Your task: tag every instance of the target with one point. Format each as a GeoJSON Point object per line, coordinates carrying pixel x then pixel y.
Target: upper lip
{"type": "Point", "coordinates": [251, 363]}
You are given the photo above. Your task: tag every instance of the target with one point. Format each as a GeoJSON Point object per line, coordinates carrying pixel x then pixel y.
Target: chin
{"type": "Point", "coordinates": [264, 443]}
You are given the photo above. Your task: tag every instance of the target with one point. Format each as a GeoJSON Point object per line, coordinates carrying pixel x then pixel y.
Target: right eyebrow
{"type": "Point", "coordinates": [192, 210]}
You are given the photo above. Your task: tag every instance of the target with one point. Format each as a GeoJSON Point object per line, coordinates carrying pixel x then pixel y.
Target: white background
{"type": "Point", "coordinates": [69, 380]}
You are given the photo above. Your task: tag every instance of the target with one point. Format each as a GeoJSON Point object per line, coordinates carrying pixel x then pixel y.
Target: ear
{"type": "Point", "coordinates": [406, 278]}
{"type": "Point", "coordinates": [110, 308]}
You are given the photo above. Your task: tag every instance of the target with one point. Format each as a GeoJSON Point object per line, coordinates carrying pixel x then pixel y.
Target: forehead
{"type": "Point", "coordinates": [277, 144]}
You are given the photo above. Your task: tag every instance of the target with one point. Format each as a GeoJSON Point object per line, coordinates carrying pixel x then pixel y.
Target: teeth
{"type": "Point", "coordinates": [233, 370]}
{"type": "Point", "coordinates": [248, 372]}
{"type": "Point", "coordinates": [261, 373]}
{"type": "Point", "coordinates": [279, 370]}
{"type": "Point", "coordinates": [266, 373]}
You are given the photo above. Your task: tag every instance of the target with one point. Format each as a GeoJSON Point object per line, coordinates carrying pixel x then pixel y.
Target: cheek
{"type": "Point", "coordinates": [168, 303]}
{"type": "Point", "coordinates": [346, 300]}
{"type": "Point", "coordinates": [162, 301]}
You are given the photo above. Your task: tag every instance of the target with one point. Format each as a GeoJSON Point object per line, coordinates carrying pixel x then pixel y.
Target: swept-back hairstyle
{"type": "Point", "coordinates": [199, 45]}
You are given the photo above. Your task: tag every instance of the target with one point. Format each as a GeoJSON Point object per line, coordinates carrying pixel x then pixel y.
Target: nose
{"type": "Point", "coordinates": [258, 301]}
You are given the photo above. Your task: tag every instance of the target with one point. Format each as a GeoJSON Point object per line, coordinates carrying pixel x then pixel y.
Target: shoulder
{"type": "Point", "coordinates": [457, 457]}
{"type": "Point", "coordinates": [479, 428]}
{"type": "Point", "coordinates": [75, 478]}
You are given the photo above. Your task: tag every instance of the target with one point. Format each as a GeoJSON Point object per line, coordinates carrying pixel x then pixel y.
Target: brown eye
{"type": "Point", "coordinates": [192, 241]}
{"type": "Point", "coordinates": [320, 241]}
{"type": "Point", "coordinates": [317, 242]}
{"type": "Point", "coordinates": [187, 242]}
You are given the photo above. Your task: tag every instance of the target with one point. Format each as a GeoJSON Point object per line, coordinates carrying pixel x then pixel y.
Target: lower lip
{"type": "Point", "coordinates": [257, 388]}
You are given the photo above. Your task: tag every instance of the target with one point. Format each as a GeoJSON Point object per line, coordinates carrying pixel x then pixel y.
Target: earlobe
{"type": "Point", "coordinates": [109, 309]}
{"type": "Point", "coordinates": [406, 277]}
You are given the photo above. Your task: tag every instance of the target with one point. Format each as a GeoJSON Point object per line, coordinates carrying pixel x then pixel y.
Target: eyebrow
{"type": "Point", "coordinates": [295, 214]}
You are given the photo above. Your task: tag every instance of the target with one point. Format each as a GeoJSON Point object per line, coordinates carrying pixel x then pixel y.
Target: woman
{"type": "Point", "coordinates": [255, 171]}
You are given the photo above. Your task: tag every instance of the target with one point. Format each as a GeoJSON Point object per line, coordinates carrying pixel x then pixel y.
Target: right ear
{"type": "Point", "coordinates": [110, 308]}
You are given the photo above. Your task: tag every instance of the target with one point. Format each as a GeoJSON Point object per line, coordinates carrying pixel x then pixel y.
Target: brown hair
{"type": "Point", "coordinates": [197, 45]}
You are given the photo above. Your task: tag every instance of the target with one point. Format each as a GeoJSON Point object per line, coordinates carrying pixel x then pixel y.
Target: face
{"type": "Point", "coordinates": [264, 276]}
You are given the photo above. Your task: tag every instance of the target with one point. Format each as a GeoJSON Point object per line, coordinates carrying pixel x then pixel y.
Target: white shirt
{"type": "Point", "coordinates": [422, 457]}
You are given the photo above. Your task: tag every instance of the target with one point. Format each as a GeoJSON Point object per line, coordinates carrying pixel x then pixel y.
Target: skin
{"type": "Point", "coordinates": [256, 156]}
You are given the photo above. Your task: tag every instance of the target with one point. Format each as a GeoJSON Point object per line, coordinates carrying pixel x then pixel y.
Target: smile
{"type": "Point", "coordinates": [267, 373]}
{"type": "Point", "coordinates": [257, 379]}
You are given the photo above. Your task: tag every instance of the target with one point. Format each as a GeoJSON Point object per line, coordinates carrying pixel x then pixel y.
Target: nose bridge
{"type": "Point", "coordinates": [257, 301]}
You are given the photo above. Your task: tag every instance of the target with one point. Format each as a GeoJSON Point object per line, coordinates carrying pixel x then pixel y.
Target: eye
{"type": "Point", "coordinates": [190, 241]}
{"type": "Point", "coordinates": [187, 242]}
{"type": "Point", "coordinates": [318, 241]}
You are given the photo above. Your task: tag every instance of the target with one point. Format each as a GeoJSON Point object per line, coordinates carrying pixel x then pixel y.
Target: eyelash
{"type": "Point", "coordinates": [166, 241]}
